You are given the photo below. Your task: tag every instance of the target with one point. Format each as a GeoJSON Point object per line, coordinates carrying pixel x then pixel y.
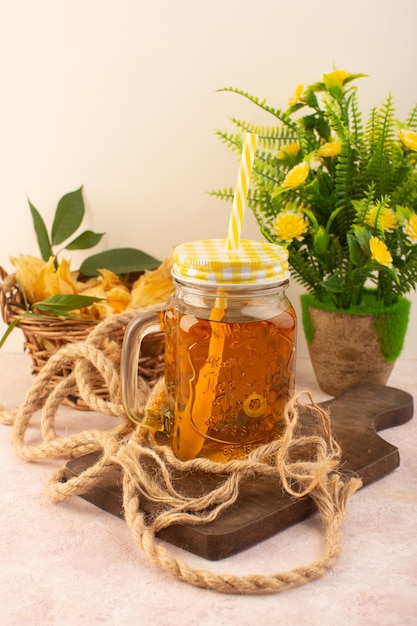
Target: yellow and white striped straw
{"type": "Point", "coordinates": [241, 191]}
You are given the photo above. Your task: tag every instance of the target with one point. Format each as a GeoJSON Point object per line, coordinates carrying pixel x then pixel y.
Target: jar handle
{"type": "Point", "coordinates": [146, 323]}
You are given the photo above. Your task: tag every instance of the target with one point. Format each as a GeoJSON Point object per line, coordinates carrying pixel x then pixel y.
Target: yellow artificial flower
{"type": "Point", "coordinates": [409, 138]}
{"type": "Point", "coordinates": [27, 271]}
{"type": "Point", "coordinates": [296, 176]}
{"type": "Point", "coordinates": [51, 282]}
{"type": "Point", "coordinates": [386, 218]}
{"type": "Point", "coordinates": [296, 96]}
{"type": "Point", "coordinates": [291, 148]}
{"type": "Point", "coordinates": [339, 75]}
{"type": "Point", "coordinates": [410, 228]}
{"type": "Point", "coordinates": [153, 286]}
{"type": "Point", "coordinates": [114, 294]}
{"type": "Point", "coordinates": [329, 149]}
{"type": "Point", "coordinates": [290, 225]}
{"type": "Point", "coordinates": [380, 252]}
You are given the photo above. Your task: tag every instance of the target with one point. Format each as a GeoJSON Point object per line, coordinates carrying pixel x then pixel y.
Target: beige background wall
{"type": "Point", "coordinates": [119, 96]}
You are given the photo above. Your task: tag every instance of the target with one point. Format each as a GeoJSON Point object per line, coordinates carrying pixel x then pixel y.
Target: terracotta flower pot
{"type": "Point", "coordinates": [353, 348]}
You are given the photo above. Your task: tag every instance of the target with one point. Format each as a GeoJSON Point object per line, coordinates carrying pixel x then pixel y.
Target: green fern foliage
{"type": "Point", "coordinates": [339, 194]}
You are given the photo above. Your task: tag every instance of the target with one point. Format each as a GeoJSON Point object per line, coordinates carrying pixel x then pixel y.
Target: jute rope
{"type": "Point", "coordinates": [305, 464]}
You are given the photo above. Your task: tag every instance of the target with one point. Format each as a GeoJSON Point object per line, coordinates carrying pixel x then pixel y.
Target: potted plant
{"type": "Point", "coordinates": [341, 195]}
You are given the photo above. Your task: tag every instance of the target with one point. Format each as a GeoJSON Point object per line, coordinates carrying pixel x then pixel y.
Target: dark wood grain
{"type": "Point", "coordinates": [263, 509]}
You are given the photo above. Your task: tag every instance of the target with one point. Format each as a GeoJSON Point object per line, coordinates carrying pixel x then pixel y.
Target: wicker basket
{"type": "Point", "coordinates": [45, 335]}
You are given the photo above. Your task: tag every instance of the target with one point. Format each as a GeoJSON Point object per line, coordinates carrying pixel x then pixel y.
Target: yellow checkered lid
{"type": "Point", "coordinates": [209, 261]}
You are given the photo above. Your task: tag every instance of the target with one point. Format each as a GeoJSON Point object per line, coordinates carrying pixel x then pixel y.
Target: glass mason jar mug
{"type": "Point", "coordinates": [230, 341]}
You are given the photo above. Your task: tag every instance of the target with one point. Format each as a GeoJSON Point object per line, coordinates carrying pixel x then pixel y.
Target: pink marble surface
{"type": "Point", "coordinates": [73, 564]}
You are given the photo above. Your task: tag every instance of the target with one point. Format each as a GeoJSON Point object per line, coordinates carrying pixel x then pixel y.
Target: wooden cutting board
{"type": "Point", "coordinates": [262, 508]}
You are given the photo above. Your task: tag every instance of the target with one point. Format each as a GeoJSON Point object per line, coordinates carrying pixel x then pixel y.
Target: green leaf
{"type": "Point", "coordinates": [68, 216]}
{"type": "Point", "coordinates": [61, 303]}
{"type": "Point", "coordinates": [356, 254]}
{"type": "Point", "coordinates": [332, 217]}
{"type": "Point", "coordinates": [359, 276]}
{"type": "Point", "coordinates": [309, 122]}
{"type": "Point", "coordinates": [87, 239]}
{"type": "Point", "coordinates": [41, 233]}
{"type": "Point", "coordinates": [310, 98]}
{"type": "Point", "coordinates": [321, 242]}
{"type": "Point", "coordinates": [23, 292]}
{"type": "Point", "coordinates": [8, 331]}
{"type": "Point", "coordinates": [295, 107]}
{"type": "Point", "coordinates": [119, 261]}
{"type": "Point", "coordinates": [390, 271]}
{"type": "Point", "coordinates": [323, 128]}
{"type": "Point", "coordinates": [363, 237]}
{"type": "Point", "coordinates": [333, 284]}
{"type": "Point", "coordinates": [351, 77]}
{"type": "Point", "coordinates": [333, 86]}
{"type": "Point", "coordinates": [312, 217]}
{"type": "Point", "coordinates": [403, 213]}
